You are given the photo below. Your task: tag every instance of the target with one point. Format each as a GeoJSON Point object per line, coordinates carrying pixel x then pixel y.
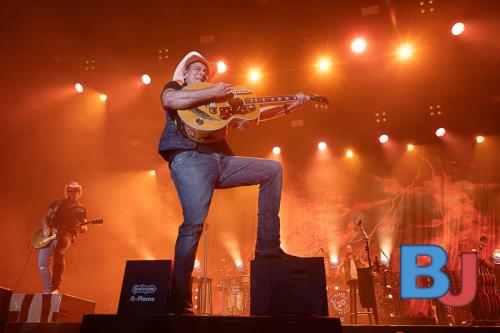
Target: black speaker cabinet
{"type": "Point", "coordinates": [5, 295]}
{"type": "Point", "coordinates": [288, 287]}
{"type": "Point", "coordinates": [145, 287]}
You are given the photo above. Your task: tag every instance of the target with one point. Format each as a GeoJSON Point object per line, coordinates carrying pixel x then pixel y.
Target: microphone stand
{"type": "Point", "coordinates": [206, 303]}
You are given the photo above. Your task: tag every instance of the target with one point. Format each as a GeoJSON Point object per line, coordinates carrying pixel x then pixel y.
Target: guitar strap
{"type": "Point", "coordinates": [176, 117]}
{"type": "Point", "coordinates": [57, 204]}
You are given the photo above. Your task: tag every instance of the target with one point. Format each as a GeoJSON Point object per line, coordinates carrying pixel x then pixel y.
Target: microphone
{"type": "Point", "coordinates": [359, 222]}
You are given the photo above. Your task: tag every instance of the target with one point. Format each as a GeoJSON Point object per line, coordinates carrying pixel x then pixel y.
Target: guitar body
{"type": "Point", "coordinates": [38, 241]}
{"type": "Point", "coordinates": [212, 122]}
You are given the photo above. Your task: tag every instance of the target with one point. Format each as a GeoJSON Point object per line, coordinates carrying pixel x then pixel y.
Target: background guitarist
{"type": "Point", "coordinates": [63, 217]}
{"type": "Point", "coordinates": [197, 169]}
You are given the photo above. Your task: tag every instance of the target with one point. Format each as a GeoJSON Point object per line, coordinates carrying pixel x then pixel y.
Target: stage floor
{"type": "Point", "coordinates": [225, 324]}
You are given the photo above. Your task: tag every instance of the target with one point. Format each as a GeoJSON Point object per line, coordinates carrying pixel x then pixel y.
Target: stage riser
{"type": "Point", "coordinates": [417, 329]}
{"type": "Point", "coordinates": [228, 324]}
{"type": "Point", "coordinates": [219, 324]}
{"type": "Point", "coordinates": [43, 328]}
{"type": "Point", "coordinates": [48, 308]}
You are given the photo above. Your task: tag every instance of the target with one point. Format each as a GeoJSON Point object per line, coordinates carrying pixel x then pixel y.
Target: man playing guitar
{"type": "Point", "coordinates": [63, 217]}
{"type": "Point", "coordinates": [197, 169]}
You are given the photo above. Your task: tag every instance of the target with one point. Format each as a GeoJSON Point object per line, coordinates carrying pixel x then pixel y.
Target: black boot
{"type": "Point", "coordinates": [274, 253]}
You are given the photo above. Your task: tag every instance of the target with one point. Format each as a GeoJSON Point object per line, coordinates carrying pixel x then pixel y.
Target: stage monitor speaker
{"type": "Point", "coordinates": [288, 286]}
{"type": "Point", "coordinates": [43, 308]}
{"type": "Point", "coordinates": [145, 287]}
{"type": "Point", "coordinates": [365, 288]}
{"type": "Point", "coordinates": [5, 295]}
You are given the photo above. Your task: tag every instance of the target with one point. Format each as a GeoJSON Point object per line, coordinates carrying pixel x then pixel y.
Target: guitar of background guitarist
{"type": "Point", "coordinates": [40, 239]}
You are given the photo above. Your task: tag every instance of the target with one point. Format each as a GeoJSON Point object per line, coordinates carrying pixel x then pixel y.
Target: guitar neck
{"type": "Point", "coordinates": [270, 100]}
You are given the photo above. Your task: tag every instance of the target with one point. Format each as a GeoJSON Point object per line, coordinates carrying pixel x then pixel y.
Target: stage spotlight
{"type": "Point", "coordinates": [322, 146]}
{"type": "Point", "coordinates": [440, 132]}
{"type": "Point", "coordinates": [146, 79]}
{"type": "Point", "coordinates": [254, 75]}
{"type": "Point", "coordinates": [78, 88]}
{"type": "Point", "coordinates": [410, 147]}
{"type": "Point", "coordinates": [221, 67]}
{"type": "Point", "coordinates": [358, 45]}
{"type": "Point", "coordinates": [152, 173]}
{"type": "Point", "coordinates": [384, 138]}
{"type": "Point", "coordinates": [458, 29]}
{"type": "Point", "coordinates": [404, 51]}
{"type": "Point", "coordinates": [385, 261]}
{"type": "Point", "coordinates": [349, 153]}
{"type": "Point", "coordinates": [103, 97]}
{"type": "Point", "coordinates": [480, 139]}
{"type": "Point", "coordinates": [239, 264]}
{"type": "Point", "coordinates": [197, 265]}
{"type": "Point", "coordinates": [323, 64]}
{"type": "Point", "coordinates": [334, 261]}
{"type": "Point", "coordinates": [276, 150]}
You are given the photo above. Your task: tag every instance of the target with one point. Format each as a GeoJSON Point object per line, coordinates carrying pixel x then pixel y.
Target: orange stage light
{"type": "Point", "coordinates": [410, 147]}
{"type": "Point", "coordinates": [458, 29]}
{"type": "Point", "coordinates": [103, 97]}
{"type": "Point", "coordinates": [358, 45]}
{"type": "Point", "coordinates": [405, 51]}
{"type": "Point", "coordinates": [323, 64]}
{"type": "Point", "coordinates": [440, 132]}
{"type": "Point", "coordinates": [221, 67]}
{"type": "Point", "coordinates": [78, 88]}
{"type": "Point", "coordinates": [254, 75]}
{"type": "Point", "coordinates": [276, 150]}
{"type": "Point", "coordinates": [322, 146]}
{"type": "Point", "coordinates": [384, 138]}
{"type": "Point", "coordinates": [480, 139]}
{"type": "Point", "coordinates": [146, 79]}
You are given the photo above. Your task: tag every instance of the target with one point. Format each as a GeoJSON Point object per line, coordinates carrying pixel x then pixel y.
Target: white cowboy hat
{"type": "Point", "coordinates": [72, 185]}
{"type": "Point", "coordinates": [188, 59]}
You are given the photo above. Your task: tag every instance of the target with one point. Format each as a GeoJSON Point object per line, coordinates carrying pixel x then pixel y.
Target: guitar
{"type": "Point", "coordinates": [211, 122]}
{"type": "Point", "coordinates": [38, 240]}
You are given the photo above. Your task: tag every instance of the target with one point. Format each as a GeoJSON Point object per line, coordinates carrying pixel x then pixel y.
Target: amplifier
{"type": "Point", "coordinates": [290, 286]}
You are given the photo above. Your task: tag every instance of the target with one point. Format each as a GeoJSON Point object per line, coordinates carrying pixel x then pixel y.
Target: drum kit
{"type": "Point", "coordinates": [232, 289]}
{"type": "Point", "coordinates": [235, 295]}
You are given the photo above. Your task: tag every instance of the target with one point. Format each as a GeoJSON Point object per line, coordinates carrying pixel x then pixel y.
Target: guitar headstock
{"type": "Point", "coordinates": [320, 101]}
{"type": "Point", "coordinates": [95, 221]}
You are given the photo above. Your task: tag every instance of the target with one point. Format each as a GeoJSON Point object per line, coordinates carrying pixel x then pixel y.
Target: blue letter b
{"type": "Point", "coordinates": [410, 271]}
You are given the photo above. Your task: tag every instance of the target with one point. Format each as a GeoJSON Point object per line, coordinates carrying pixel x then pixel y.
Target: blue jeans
{"type": "Point", "coordinates": [44, 255]}
{"type": "Point", "coordinates": [57, 248]}
{"type": "Point", "coordinates": [196, 175]}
